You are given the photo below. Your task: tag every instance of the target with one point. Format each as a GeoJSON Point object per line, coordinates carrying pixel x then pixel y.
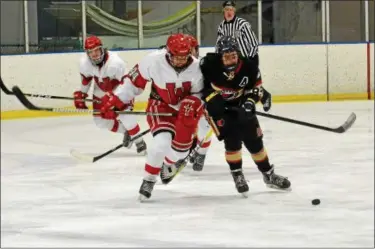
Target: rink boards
{"type": "Point", "coordinates": [309, 72]}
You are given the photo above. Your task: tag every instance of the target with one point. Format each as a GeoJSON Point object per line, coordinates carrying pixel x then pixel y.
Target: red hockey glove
{"type": "Point", "coordinates": [79, 102]}
{"type": "Point", "coordinates": [190, 111]}
{"type": "Point", "coordinates": [109, 103]}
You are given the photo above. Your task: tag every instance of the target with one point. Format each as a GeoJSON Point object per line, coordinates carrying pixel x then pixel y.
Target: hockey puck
{"type": "Point", "coordinates": [315, 202]}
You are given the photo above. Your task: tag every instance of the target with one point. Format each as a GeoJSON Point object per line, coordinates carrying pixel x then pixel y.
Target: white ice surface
{"type": "Point", "coordinates": [50, 199]}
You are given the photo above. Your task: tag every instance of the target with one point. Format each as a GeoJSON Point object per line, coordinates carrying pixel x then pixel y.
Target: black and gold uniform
{"type": "Point", "coordinates": [232, 87]}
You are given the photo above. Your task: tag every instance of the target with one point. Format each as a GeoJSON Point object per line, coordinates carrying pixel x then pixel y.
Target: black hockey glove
{"type": "Point", "coordinates": [247, 110]}
{"type": "Point", "coordinates": [266, 100]}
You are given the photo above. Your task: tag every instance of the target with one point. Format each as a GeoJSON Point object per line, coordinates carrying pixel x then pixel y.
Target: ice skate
{"type": "Point", "coordinates": [167, 173]}
{"type": "Point", "coordinates": [139, 143]}
{"type": "Point", "coordinates": [275, 181]}
{"type": "Point", "coordinates": [146, 189]}
{"type": "Point", "coordinates": [197, 160]}
{"type": "Point", "coordinates": [141, 147]}
{"type": "Point", "coordinates": [127, 141]}
{"type": "Point", "coordinates": [240, 181]}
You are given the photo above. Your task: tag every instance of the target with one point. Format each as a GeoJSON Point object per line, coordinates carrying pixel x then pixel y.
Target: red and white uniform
{"type": "Point", "coordinates": [105, 77]}
{"type": "Point", "coordinates": [169, 90]}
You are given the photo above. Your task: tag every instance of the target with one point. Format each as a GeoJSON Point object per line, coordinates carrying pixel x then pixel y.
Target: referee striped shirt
{"type": "Point", "coordinates": [241, 30]}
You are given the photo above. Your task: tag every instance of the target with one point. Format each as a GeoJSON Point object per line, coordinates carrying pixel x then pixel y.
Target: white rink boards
{"type": "Point", "coordinates": [50, 199]}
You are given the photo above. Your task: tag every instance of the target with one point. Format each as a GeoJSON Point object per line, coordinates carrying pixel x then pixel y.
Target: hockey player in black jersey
{"type": "Point", "coordinates": [231, 90]}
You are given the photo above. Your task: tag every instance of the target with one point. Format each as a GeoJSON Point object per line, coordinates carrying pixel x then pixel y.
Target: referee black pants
{"type": "Point", "coordinates": [255, 59]}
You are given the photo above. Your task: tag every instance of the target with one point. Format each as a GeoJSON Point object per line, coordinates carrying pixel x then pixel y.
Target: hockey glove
{"type": "Point", "coordinates": [266, 100]}
{"type": "Point", "coordinates": [247, 111]}
{"type": "Point", "coordinates": [111, 102]}
{"type": "Point", "coordinates": [79, 101]}
{"type": "Point", "coordinates": [190, 111]}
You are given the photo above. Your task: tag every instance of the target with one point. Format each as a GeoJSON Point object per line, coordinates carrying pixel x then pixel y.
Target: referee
{"type": "Point", "coordinates": [240, 29]}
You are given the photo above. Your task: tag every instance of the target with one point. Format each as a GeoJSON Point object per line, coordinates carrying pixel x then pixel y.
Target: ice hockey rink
{"type": "Point", "coordinates": [48, 198]}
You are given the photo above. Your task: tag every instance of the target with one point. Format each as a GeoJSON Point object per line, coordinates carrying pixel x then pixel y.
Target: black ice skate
{"type": "Point", "coordinates": [169, 171]}
{"type": "Point", "coordinates": [275, 181]}
{"type": "Point", "coordinates": [127, 141]}
{"type": "Point", "coordinates": [240, 181]}
{"type": "Point", "coordinates": [141, 147]}
{"type": "Point", "coordinates": [139, 143]}
{"type": "Point", "coordinates": [146, 189]}
{"type": "Point", "coordinates": [197, 160]}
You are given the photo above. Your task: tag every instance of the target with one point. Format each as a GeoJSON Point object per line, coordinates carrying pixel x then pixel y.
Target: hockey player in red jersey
{"type": "Point", "coordinates": [106, 69]}
{"type": "Point", "coordinates": [176, 84]}
{"type": "Point", "coordinates": [194, 46]}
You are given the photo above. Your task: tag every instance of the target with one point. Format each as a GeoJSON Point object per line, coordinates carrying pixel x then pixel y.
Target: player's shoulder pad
{"type": "Point", "coordinates": [209, 60]}
{"type": "Point", "coordinates": [249, 64]}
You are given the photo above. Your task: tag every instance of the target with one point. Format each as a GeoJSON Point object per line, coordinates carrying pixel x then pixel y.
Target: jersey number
{"type": "Point", "coordinates": [177, 94]}
{"type": "Point", "coordinates": [134, 73]}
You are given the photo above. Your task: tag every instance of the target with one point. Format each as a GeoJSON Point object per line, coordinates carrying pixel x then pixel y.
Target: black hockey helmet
{"type": "Point", "coordinates": [228, 44]}
{"type": "Point", "coordinates": [229, 3]}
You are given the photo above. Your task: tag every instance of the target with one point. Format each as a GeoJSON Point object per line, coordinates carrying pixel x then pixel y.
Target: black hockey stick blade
{"type": "Point", "coordinates": [341, 129]}
{"type": "Point", "coordinates": [4, 88]}
{"type": "Point", "coordinates": [348, 123]}
{"type": "Point", "coordinates": [7, 91]}
{"type": "Point", "coordinates": [91, 159]}
{"type": "Point", "coordinates": [22, 98]}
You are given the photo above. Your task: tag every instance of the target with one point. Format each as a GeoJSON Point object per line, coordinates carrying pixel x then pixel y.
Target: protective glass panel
{"type": "Point", "coordinates": [347, 21]}
{"type": "Point", "coordinates": [58, 23]}
{"type": "Point", "coordinates": [371, 19]}
{"type": "Point", "coordinates": [162, 18]}
{"type": "Point", "coordinates": [114, 22]}
{"type": "Point", "coordinates": [295, 21]}
{"type": "Point", "coordinates": [12, 27]}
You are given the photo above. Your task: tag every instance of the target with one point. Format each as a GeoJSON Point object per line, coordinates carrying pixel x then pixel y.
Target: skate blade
{"type": "Point", "coordinates": [245, 194]}
{"type": "Point", "coordinates": [278, 188]}
{"type": "Point", "coordinates": [142, 153]}
{"type": "Point", "coordinates": [142, 198]}
{"type": "Point", "coordinates": [197, 168]}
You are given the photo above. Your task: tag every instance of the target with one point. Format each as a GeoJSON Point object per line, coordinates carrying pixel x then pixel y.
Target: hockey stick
{"type": "Point", "coordinates": [9, 92]}
{"type": "Point", "coordinates": [22, 98]}
{"type": "Point", "coordinates": [91, 159]}
{"type": "Point", "coordinates": [341, 129]}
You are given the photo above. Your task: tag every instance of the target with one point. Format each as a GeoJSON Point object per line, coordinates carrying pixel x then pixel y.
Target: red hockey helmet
{"type": "Point", "coordinates": [94, 49]}
{"type": "Point", "coordinates": [179, 50]}
{"type": "Point", "coordinates": [194, 45]}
